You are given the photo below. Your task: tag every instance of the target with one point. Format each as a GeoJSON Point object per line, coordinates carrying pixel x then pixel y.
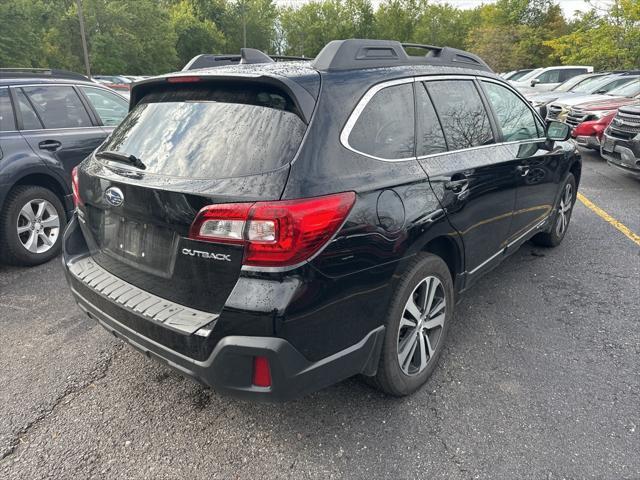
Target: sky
{"type": "Point", "coordinates": [568, 6]}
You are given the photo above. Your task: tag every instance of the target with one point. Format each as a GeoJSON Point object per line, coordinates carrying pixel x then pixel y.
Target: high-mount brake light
{"type": "Point", "coordinates": [183, 79]}
{"type": "Point", "coordinates": [75, 187]}
{"type": "Point", "coordinates": [279, 233]}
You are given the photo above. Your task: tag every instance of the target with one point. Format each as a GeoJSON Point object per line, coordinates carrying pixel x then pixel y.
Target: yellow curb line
{"type": "Point", "coordinates": [634, 237]}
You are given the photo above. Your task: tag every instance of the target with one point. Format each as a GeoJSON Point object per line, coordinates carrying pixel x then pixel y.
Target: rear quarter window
{"type": "Point", "coordinates": [385, 127]}
{"type": "Point", "coordinates": [211, 131]}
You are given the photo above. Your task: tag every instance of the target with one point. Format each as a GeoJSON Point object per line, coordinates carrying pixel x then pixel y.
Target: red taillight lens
{"type": "Point", "coordinates": [75, 187]}
{"type": "Point", "coordinates": [277, 233]}
{"type": "Point", "coordinates": [261, 372]}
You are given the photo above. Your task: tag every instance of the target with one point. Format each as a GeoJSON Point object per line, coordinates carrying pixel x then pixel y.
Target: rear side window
{"type": "Point", "coordinates": [464, 120]}
{"type": "Point", "coordinates": [110, 107]}
{"type": "Point", "coordinates": [385, 127]}
{"type": "Point", "coordinates": [58, 107]}
{"type": "Point", "coordinates": [515, 118]}
{"type": "Point", "coordinates": [211, 132]}
{"type": "Point", "coordinates": [429, 134]}
{"type": "Point", "coordinates": [30, 120]}
{"type": "Point", "coordinates": [7, 122]}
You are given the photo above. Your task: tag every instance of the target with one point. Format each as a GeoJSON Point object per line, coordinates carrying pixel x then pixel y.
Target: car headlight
{"type": "Point", "coordinates": [598, 114]}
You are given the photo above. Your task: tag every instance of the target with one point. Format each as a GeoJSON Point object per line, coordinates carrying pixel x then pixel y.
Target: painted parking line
{"type": "Point", "coordinates": [634, 237]}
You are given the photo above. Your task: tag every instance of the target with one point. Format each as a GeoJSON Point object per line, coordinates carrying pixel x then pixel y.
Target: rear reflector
{"type": "Point", "coordinates": [75, 187]}
{"type": "Point", "coordinates": [279, 233]}
{"type": "Point", "coordinates": [261, 372]}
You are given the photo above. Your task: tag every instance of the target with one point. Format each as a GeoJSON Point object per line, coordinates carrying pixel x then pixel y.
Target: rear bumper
{"type": "Point", "coordinates": [229, 368]}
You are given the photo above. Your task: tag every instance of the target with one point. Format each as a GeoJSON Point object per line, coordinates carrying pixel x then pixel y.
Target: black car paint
{"type": "Point", "coordinates": [335, 300]}
{"type": "Point", "coordinates": [47, 156]}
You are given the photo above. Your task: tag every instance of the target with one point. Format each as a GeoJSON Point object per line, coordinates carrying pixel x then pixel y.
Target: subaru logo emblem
{"type": "Point", "coordinates": [114, 196]}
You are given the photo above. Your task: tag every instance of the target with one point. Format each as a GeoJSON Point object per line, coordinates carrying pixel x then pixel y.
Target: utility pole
{"type": "Point", "coordinates": [84, 38]}
{"type": "Point", "coordinates": [244, 23]}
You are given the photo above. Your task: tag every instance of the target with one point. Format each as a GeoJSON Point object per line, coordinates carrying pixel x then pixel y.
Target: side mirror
{"type": "Point", "coordinates": [558, 131]}
{"type": "Point", "coordinates": [535, 81]}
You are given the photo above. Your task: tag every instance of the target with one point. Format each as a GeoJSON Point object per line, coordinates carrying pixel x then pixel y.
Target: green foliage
{"type": "Point", "coordinates": [309, 28]}
{"type": "Point", "coordinates": [155, 36]}
{"type": "Point", "coordinates": [608, 40]}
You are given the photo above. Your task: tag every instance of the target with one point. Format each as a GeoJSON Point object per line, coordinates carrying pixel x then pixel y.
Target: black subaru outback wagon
{"type": "Point", "coordinates": [272, 228]}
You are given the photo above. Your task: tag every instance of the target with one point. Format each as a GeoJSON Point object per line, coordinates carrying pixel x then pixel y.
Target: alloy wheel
{"type": "Point", "coordinates": [421, 325]}
{"type": "Point", "coordinates": [564, 210]}
{"type": "Point", "coordinates": [38, 226]}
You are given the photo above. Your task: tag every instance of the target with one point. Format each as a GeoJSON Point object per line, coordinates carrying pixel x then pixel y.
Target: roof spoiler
{"type": "Point", "coordinates": [362, 53]}
{"type": "Point", "coordinates": [247, 56]}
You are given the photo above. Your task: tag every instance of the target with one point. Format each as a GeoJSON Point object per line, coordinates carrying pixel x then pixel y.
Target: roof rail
{"type": "Point", "coordinates": [208, 60]}
{"type": "Point", "coordinates": [360, 53]}
{"type": "Point", "coordinates": [40, 73]}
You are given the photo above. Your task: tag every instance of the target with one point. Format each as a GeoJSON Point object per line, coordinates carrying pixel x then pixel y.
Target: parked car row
{"type": "Point", "coordinates": [601, 108]}
{"type": "Point", "coordinates": [120, 83]}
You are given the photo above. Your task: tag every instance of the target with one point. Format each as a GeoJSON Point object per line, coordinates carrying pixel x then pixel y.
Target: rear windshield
{"type": "Point", "coordinates": [211, 132]}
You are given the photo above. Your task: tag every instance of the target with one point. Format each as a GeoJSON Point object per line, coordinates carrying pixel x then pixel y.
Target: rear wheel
{"type": "Point", "coordinates": [31, 226]}
{"type": "Point", "coordinates": [417, 324]}
{"type": "Point", "coordinates": [553, 237]}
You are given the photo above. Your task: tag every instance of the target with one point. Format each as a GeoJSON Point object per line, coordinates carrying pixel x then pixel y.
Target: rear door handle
{"type": "Point", "coordinates": [523, 170]}
{"type": "Point", "coordinates": [51, 145]}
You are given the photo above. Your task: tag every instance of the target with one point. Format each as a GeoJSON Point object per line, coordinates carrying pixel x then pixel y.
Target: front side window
{"type": "Point", "coordinates": [385, 126]}
{"type": "Point", "coordinates": [550, 76]}
{"type": "Point", "coordinates": [110, 107]}
{"type": "Point", "coordinates": [464, 120]}
{"type": "Point", "coordinates": [514, 117]}
{"type": "Point", "coordinates": [58, 106]}
{"type": "Point", "coordinates": [7, 122]}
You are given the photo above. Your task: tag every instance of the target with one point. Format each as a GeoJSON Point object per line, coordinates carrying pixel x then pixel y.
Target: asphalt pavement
{"type": "Point", "coordinates": [540, 379]}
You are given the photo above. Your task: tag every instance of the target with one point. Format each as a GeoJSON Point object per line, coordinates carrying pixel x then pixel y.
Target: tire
{"type": "Point", "coordinates": [43, 224]}
{"type": "Point", "coordinates": [553, 237]}
{"type": "Point", "coordinates": [392, 378]}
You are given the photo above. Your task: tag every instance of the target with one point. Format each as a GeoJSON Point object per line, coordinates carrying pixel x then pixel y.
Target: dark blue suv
{"type": "Point", "coordinates": [49, 121]}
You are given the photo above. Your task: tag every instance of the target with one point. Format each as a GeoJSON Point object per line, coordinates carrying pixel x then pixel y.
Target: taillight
{"type": "Point", "coordinates": [75, 187]}
{"type": "Point", "coordinates": [277, 233]}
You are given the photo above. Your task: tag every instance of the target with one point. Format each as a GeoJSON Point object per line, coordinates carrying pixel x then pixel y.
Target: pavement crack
{"type": "Point", "coordinates": [74, 389]}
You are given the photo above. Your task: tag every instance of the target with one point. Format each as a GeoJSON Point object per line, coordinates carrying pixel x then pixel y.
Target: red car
{"type": "Point", "coordinates": [589, 120]}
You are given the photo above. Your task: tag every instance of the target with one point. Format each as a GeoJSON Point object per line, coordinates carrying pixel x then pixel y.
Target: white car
{"type": "Point", "coordinates": [545, 79]}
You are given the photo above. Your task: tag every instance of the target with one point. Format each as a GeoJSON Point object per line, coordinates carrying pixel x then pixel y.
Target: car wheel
{"type": "Point", "coordinates": [417, 324]}
{"type": "Point", "coordinates": [553, 237]}
{"type": "Point", "coordinates": [31, 225]}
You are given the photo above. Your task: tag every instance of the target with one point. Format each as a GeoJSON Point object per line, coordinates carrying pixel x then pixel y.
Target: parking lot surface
{"type": "Point", "coordinates": [540, 379]}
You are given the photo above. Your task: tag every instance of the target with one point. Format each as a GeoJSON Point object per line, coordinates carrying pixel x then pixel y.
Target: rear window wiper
{"type": "Point", "coordinates": [122, 157]}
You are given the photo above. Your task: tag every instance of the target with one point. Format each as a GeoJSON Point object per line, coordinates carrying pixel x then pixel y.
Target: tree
{"type": "Point", "coordinates": [194, 35]}
{"type": "Point", "coordinates": [309, 28]}
{"type": "Point", "coordinates": [256, 18]}
{"type": "Point", "coordinates": [606, 40]}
